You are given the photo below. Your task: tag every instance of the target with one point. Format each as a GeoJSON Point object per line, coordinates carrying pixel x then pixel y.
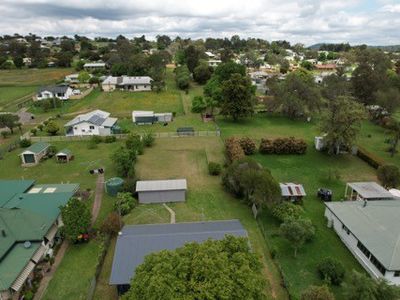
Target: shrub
{"type": "Point", "coordinates": [248, 145]}
{"type": "Point", "coordinates": [389, 176]}
{"type": "Point", "coordinates": [331, 270]}
{"type": "Point", "coordinates": [52, 128]}
{"type": "Point", "coordinates": [40, 126]}
{"type": "Point", "coordinates": [96, 139]}
{"type": "Point", "coordinates": [287, 210]}
{"type": "Point", "coordinates": [129, 185]}
{"type": "Point", "coordinates": [5, 134]}
{"type": "Point", "coordinates": [371, 159]}
{"type": "Point", "coordinates": [273, 251]}
{"type": "Point", "coordinates": [148, 139]}
{"type": "Point", "coordinates": [34, 131]}
{"type": "Point", "coordinates": [110, 139]}
{"type": "Point", "coordinates": [289, 145]}
{"type": "Point", "coordinates": [214, 168]}
{"type": "Point", "coordinates": [233, 150]}
{"type": "Point", "coordinates": [25, 143]}
{"type": "Point", "coordinates": [134, 143]}
{"type": "Point", "coordinates": [112, 224]}
{"type": "Point", "coordinates": [51, 151]}
{"type": "Point", "coordinates": [124, 203]}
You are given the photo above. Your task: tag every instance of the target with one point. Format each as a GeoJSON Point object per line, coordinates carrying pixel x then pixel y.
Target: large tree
{"type": "Point", "coordinates": [238, 99]}
{"type": "Point", "coordinates": [297, 95]}
{"type": "Point", "coordinates": [9, 120]}
{"type": "Point", "coordinates": [341, 123]}
{"type": "Point", "coordinates": [224, 269]}
{"type": "Point", "coordinates": [76, 217]}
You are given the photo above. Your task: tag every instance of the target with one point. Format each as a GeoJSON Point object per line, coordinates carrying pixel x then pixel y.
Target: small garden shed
{"type": "Point", "coordinates": [64, 156]}
{"type": "Point", "coordinates": [161, 191]}
{"type": "Point", "coordinates": [32, 155]}
{"type": "Point", "coordinates": [292, 191]}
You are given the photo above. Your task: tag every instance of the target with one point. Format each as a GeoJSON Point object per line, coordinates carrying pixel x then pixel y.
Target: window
{"type": "Point", "coordinates": [363, 249]}
{"type": "Point", "coordinates": [396, 274]}
{"type": "Point", "coordinates": [345, 229]}
{"type": "Point", "coordinates": [91, 127]}
{"type": "Point", "coordinates": [75, 128]}
{"type": "Point", "coordinates": [378, 265]}
{"type": "Point", "coordinates": [83, 130]}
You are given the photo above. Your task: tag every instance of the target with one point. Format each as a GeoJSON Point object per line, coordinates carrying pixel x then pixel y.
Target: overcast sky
{"type": "Point", "coordinates": [375, 22]}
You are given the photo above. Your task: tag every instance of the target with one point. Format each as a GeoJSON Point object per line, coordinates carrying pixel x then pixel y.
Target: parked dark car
{"type": "Point", "coordinates": [324, 194]}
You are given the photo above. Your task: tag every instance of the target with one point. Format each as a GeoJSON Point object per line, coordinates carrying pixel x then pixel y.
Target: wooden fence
{"type": "Point", "coordinates": [60, 138]}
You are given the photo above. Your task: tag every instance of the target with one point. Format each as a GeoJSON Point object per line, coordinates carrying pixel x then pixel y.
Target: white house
{"type": "Point", "coordinates": [214, 62]}
{"type": "Point", "coordinates": [62, 92]}
{"type": "Point", "coordinates": [97, 122]}
{"type": "Point", "coordinates": [129, 83]}
{"type": "Point", "coordinates": [371, 231]}
{"type": "Point", "coordinates": [94, 66]}
{"type": "Point", "coordinates": [141, 117]}
{"type": "Point", "coordinates": [210, 54]}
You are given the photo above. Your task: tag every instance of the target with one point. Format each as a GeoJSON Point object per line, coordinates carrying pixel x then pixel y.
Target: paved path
{"type": "Point", "coordinates": [48, 276]}
{"type": "Point", "coordinates": [172, 213]}
{"type": "Point", "coordinates": [98, 196]}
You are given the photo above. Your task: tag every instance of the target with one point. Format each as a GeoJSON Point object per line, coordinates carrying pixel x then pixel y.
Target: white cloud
{"type": "Point", "coordinates": [307, 21]}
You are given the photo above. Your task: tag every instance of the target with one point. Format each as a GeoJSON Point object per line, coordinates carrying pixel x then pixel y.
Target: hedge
{"type": "Point", "coordinates": [289, 145]}
{"type": "Point", "coordinates": [233, 150]}
{"type": "Point", "coordinates": [370, 158]}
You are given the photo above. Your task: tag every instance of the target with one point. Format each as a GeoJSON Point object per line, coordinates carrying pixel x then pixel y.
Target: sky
{"type": "Point", "coordinates": [373, 22]}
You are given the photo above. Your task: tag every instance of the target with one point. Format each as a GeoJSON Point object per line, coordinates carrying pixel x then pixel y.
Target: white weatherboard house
{"type": "Point", "coordinates": [128, 83]}
{"type": "Point", "coordinates": [161, 191]}
{"type": "Point", "coordinates": [62, 92]}
{"type": "Point", "coordinates": [97, 122]}
{"type": "Point", "coordinates": [371, 231]}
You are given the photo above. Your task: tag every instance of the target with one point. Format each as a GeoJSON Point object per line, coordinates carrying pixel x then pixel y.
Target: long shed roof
{"type": "Point", "coordinates": [161, 185]}
{"type": "Point", "coordinates": [370, 190]}
{"type": "Point", "coordinates": [137, 241]}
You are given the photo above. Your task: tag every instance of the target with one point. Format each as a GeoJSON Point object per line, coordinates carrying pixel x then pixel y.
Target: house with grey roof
{"type": "Point", "coordinates": [161, 191]}
{"type": "Point", "coordinates": [127, 83]}
{"type": "Point", "coordinates": [371, 231]}
{"type": "Point", "coordinates": [96, 122]}
{"type": "Point", "coordinates": [62, 92]}
{"type": "Point", "coordinates": [136, 241]}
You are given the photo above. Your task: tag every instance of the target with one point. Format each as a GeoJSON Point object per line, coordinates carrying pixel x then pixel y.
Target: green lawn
{"type": "Point", "coordinates": [313, 170]}
{"type": "Point", "coordinates": [206, 200]}
{"type": "Point", "coordinates": [9, 95]}
{"type": "Point", "coordinates": [30, 77]}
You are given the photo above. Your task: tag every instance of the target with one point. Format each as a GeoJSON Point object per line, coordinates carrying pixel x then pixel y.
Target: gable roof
{"type": "Point", "coordinates": [96, 117]}
{"type": "Point", "coordinates": [292, 189]}
{"type": "Point", "coordinates": [37, 147]}
{"type": "Point", "coordinates": [9, 188]}
{"type": "Point", "coordinates": [137, 241]}
{"type": "Point", "coordinates": [64, 152]}
{"type": "Point", "coordinates": [376, 225]}
{"type": "Point", "coordinates": [54, 89]}
{"type": "Point", "coordinates": [128, 80]}
{"type": "Point", "coordinates": [161, 185]}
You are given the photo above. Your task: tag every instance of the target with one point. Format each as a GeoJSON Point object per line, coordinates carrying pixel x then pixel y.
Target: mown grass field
{"type": "Point", "coordinates": [206, 200]}
{"type": "Point", "coordinates": [313, 170]}
{"type": "Point", "coordinates": [15, 84]}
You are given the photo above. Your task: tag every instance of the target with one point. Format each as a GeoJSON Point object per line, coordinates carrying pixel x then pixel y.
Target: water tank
{"type": "Point", "coordinates": [114, 185]}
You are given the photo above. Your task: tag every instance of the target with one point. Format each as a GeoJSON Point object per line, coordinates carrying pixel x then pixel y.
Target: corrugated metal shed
{"type": "Point", "coordinates": [137, 241]}
{"type": "Point", "coordinates": [370, 190]}
{"type": "Point", "coordinates": [161, 185]}
{"type": "Point", "coordinates": [292, 190]}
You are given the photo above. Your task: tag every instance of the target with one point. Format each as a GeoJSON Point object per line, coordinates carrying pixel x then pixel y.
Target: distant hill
{"type": "Point", "coordinates": [391, 48]}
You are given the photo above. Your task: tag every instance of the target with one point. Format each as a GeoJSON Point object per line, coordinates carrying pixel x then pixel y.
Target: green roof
{"type": "Point", "coordinates": [14, 263]}
{"type": "Point", "coordinates": [376, 225]}
{"type": "Point", "coordinates": [21, 225]}
{"type": "Point", "coordinates": [9, 188]}
{"type": "Point", "coordinates": [37, 147]}
{"type": "Point", "coordinates": [65, 151]}
{"type": "Point", "coordinates": [47, 205]}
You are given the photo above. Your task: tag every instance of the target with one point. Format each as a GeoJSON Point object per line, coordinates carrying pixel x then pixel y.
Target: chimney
{"type": "Point", "coordinates": [3, 233]}
{"type": "Point", "coordinates": [365, 203]}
